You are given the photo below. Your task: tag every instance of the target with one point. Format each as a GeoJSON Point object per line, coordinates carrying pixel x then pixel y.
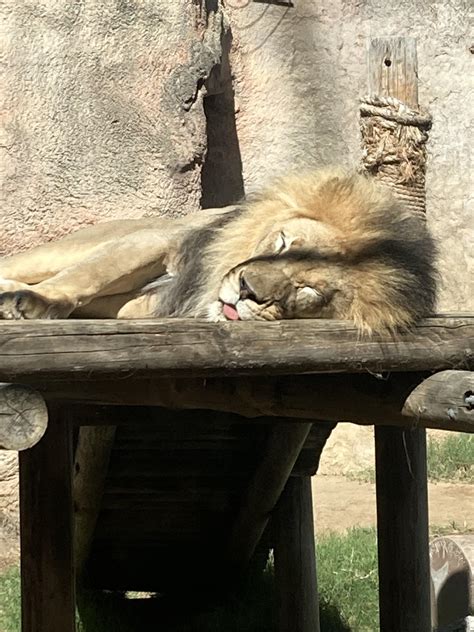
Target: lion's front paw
{"type": "Point", "coordinates": [25, 304]}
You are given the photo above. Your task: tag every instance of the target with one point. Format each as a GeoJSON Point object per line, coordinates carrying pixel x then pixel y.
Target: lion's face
{"type": "Point", "coordinates": [285, 278]}
{"type": "Point", "coordinates": [266, 290]}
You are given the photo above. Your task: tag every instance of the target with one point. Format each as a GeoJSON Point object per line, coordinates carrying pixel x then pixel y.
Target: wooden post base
{"type": "Point", "coordinates": [402, 524]}
{"type": "Point", "coordinates": [46, 526]}
{"type": "Point", "coordinates": [295, 559]}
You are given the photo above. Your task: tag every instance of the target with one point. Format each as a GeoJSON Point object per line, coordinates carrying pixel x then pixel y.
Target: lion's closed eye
{"type": "Point", "coordinates": [309, 299]}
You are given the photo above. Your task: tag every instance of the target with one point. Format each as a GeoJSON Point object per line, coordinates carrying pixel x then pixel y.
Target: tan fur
{"type": "Point", "coordinates": [101, 272]}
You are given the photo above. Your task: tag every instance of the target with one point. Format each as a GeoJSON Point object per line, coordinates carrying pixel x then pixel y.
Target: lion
{"type": "Point", "coordinates": [323, 244]}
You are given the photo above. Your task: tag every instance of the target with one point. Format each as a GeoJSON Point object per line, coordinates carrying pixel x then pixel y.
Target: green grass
{"type": "Point", "coordinates": [347, 576]}
{"type": "Point", "coordinates": [348, 579]}
{"type": "Point", "coordinates": [450, 460]}
{"type": "Point", "coordinates": [348, 589]}
{"type": "Point", "coordinates": [10, 601]}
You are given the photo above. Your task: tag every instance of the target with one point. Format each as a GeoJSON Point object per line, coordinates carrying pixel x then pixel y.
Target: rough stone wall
{"type": "Point", "coordinates": [102, 112]}
{"type": "Point", "coordinates": [299, 74]}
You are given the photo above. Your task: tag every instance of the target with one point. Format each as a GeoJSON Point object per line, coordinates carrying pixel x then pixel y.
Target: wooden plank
{"type": "Point", "coordinates": [46, 526]}
{"type": "Point", "coordinates": [279, 457]}
{"type": "Point", "coordinates": [23, 417]}
{"type": "Point", "coordinates": [91, 464]}
{"type": "Point", "coordinates": [368, 399]}
{"type": "Point", "coordinates": [402, 526]}
{"type": "Point", "coordinates": [187, 347]}
{"type": "Point", "coordinates": [445, 396]}
{"type": "Point", "coordinates": [393, 68]}
{"type": "Point", "coordinates": [295, 559]}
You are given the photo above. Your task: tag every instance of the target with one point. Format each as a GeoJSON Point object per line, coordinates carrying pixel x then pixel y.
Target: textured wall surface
{"type": "Point", "coordinates": [102, 115]}
{"type": "Point", "coordinates": [299, 74]}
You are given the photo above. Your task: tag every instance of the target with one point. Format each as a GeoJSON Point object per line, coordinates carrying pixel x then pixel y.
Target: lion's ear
{"type": "Point", "coordinates": [309, 299]}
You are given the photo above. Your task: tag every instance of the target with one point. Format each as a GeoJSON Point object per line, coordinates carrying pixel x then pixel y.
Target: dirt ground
{"type": "Point", "coordinates": [340, 503]}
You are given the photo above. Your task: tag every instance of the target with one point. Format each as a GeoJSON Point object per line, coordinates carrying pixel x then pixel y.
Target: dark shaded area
{"type": "Point", "coordinates": [251, 608]}
{"type": "Point", "coordinates": [453, 602]}
{"type": "Point", "coordinates": [221, 180]}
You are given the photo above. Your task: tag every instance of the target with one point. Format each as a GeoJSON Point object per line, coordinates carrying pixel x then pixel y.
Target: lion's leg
{"type": "Point", "coordinates": [117, 267]}
{"type": "Point", "coordinates": [47, 260]}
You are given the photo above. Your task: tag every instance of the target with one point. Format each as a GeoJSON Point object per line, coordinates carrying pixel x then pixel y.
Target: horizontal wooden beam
{"type": "Point", "coordinates": [364, 399]}
{"type": "Point", "coordinates": [23, 417]}
{"type": "Point", "coordinates": [172, 347]}
{"type": "Point", "coordinates": [445, 396]}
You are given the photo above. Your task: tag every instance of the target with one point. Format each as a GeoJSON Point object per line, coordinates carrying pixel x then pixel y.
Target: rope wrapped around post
{"type": "Point", "coordinates": [394, 138]}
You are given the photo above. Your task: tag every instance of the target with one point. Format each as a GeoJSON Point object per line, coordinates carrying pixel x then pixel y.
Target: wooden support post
{"type": "Point", "coordinates": [402, 497]}
{"type": "Point", "coordinates": [46, 526]}
{"type": "Point", "coordinates": [91, 464]}
{"type": "Point", "coordinates": [295, 559]}
{"type": "Point", "coordinates": [402, 526]}
{"type": "Point", "coordinates": [282, 450]}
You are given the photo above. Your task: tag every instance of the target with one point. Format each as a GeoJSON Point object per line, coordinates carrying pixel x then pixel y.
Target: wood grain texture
{"type": "Point", "coordinates": [402, 527]}
{"type": "Point", "coordinates": [393, 69]}
{"type": "Point", "coordinates": [91, 463]}
{"type": "Point", "coordinates": [444, 396]}
{"type": "Point", "coordinates": [295, 559]}
{"type": "Point", "coordinates": [279, 457]}
{"type": "Point", "coordinates": [23, 417]}
{"type": "Point", "coordinates": [46, 527]}
{"type": "Point", "coordinates": [370, 398]}
{"type": "Point", "coordinates": [187, 347]}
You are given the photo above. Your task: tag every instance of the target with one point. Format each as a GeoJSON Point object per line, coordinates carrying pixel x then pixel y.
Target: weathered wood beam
{"type": "Point", "coordinates": [362, 399]}
{"type": "Point", "coordinates": [282, 450]}
{"type": "Point", "coordinates": [181, 348]}
{"type": "Point", "coordinates": [46, 530]}
{"type": "Point", "coordinates": [91, 464]}
{"type": "Point", "coordinates": [23, 417]}
{"type": "Point", "coordinates": [445, 397]}
{"type": "Point", "coordinates": [402, 527]}
{"type": "Point", "coordinates": [295, 559]}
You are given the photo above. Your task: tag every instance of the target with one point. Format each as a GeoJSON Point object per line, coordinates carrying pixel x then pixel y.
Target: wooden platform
{"type": "Point", "coordinates": [202, 427]}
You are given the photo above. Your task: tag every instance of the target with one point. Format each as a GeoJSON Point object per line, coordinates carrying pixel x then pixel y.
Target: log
{"type": "Point", "coordinates": [91, 464]}
{"type": "Point", "coordinates": [401, 477]}
{"type": "Point", "coordinates": [295, 559]}
{"type": "Point", "coordinates": [181, 348]}
{"type": "Point", "coordinates": [46, 532]}
{"type": "Point", "coordinates": [23, 417]}
{"type": "Point", "coordinates": [446, 396]}
{"type": "Point", "coordinates": [281, 452]}
{"type": "Point", "coordinates": [402, 528]}
{"type": "Point", "coordinates": [367, 399]}
{"type": "Point", "coordinates": [452, 578]}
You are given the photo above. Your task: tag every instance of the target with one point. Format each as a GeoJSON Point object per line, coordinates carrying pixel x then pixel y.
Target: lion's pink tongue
{"type": "Point", "coordinates": [230, 312]}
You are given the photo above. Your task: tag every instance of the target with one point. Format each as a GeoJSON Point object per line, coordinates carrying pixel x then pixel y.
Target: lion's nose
{"type": "Point", "coordinates": [245, 290]}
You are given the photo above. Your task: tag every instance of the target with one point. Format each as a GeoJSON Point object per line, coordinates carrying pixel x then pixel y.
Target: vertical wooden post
{"type": "Point", "coordinates": [402, 524]}
{"type": "Point", "coordinates": [46, 527]}
{"type": "Point", "coordinates": [295, 559]}
{"type": "Point", "coordinates": [401, 479]}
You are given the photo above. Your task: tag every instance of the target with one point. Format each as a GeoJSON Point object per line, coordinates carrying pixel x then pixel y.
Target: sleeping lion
{"type": "Point", "coordinates": [319, 245]}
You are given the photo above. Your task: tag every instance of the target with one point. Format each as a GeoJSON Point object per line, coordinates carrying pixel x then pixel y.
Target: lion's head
{"type": "Point", "coordinates": [323, 245]}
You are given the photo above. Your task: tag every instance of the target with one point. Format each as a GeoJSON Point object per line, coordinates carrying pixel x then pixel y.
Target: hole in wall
{"type": "Point", "coordinates": [388, 62]}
